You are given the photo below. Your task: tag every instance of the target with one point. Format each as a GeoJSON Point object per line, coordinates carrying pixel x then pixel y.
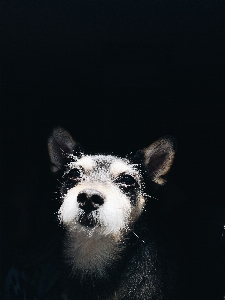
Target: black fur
{"type": "Point", "coordinates": [142, 270]}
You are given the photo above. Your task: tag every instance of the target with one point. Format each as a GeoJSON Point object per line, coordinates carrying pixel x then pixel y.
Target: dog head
{"type": "Point", "coordinates": [104, 194]}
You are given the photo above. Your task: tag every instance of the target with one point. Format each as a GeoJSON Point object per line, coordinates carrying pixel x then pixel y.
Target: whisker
{"type": "Point", "coordinates": [59, 181]}
{"type": "Point", "coordinates": [149, 196]}
{"type": "Point", "coordinates": [138, 237]}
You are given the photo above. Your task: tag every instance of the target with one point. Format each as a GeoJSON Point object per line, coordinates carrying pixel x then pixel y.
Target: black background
{"type": "Point", "coordinates": [118, 75]}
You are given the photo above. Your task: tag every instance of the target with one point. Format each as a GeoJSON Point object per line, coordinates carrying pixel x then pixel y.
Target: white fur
{"type": "Point", "coordinates": [86, 162]}
{"type": "Point", "coordinates": [113, 214]}
{"type": "Point", "coordinates": [91, 254]}
{"type": "Point", "coordinates": [121, 166]}
{"type": "Point", "coordinates": [92, 249]}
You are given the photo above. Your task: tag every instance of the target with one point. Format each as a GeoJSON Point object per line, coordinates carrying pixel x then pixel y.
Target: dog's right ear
{"type": "Point", "coordinates": [60, 145]}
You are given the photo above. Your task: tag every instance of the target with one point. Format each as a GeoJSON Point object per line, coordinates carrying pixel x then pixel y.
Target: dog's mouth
{"type": "Point", "coordinates": [88, 220]}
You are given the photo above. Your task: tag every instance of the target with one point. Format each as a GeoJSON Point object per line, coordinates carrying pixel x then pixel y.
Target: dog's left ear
{"type": "Point", "coordinates": [60, 145]}
{"type": "Point", "coordinates": [158, 158]}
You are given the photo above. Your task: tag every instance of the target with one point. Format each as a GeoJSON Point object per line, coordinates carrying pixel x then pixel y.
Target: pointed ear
{"type": "Point", "coordinates": [60, 144]}
{"type": "Point", "coordinates": [158, 158]}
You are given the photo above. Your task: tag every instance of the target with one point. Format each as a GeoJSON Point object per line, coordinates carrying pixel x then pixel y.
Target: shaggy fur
{"type": "Point", "coordinates": [108, 248]}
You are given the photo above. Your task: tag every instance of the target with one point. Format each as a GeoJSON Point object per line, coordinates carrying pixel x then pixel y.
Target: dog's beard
{"type": "Point", "coordinates": [93, 243]}
{"type": "Point", "coordinates": [89, 253]}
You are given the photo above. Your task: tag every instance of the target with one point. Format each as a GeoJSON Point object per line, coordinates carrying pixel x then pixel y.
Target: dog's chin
{"type": "Point", "coordinates": [87, 220]}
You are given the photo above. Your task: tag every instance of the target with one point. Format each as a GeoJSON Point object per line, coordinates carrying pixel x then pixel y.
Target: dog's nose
{"type": "Point", "coordinates": [90, 200]}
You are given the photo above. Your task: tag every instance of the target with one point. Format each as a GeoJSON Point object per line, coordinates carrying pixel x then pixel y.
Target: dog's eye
{"type": "Point", "coordinates": [74, 174]}
{"type": "Point", "coordinates": [127, 180]}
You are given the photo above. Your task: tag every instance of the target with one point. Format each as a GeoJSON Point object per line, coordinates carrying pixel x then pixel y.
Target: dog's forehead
{"type": "Point", "coordinates": [107, 163]}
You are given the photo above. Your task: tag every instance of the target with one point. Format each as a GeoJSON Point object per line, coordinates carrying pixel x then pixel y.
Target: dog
{"type": "Point", "coordinates": [108, 249]}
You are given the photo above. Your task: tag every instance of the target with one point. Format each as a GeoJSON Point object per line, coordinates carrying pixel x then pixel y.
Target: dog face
{"type": "Point", "coordinates": [102, 196]}
{"type": "Point", "coordinates": [101, 193]}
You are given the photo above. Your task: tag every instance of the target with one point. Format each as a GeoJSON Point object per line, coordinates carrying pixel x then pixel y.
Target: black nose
{"type": "Point", "coordinates": [90, 200]}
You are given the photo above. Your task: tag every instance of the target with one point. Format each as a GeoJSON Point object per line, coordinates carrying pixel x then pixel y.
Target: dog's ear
{"type": "Point", "coordinates": [60, 145]}
{"type": "Point", "coordinates": [158, 158]}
